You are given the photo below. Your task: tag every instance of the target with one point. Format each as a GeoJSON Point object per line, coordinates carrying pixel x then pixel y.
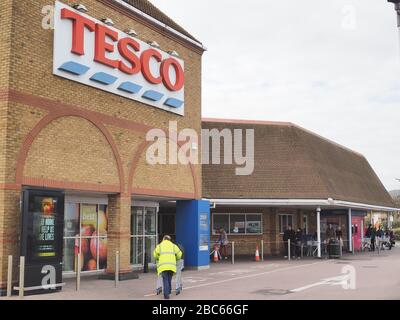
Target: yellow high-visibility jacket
{"type": "Point", "coordinates": [166, 254]}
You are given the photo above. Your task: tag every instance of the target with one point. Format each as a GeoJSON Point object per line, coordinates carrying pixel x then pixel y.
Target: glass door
{"type": "Point", "coordinates": [150, 232]}
{"type": "Point", "coordinates": [143, 234]}
{"type": "Point", "coordinates": [137, 236]}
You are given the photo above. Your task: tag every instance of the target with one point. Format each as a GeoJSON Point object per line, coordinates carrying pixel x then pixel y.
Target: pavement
{"type": "Point", "coordinates": [366, 275]}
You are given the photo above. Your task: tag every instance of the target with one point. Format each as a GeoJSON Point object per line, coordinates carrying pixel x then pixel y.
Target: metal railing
{"type": "Point", "coordinates": [21, 278]}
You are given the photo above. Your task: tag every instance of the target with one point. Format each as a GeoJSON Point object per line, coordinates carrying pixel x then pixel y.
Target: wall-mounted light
{"type": "Point", "coordinates": [154, 44]}
{"type": "Point", "coordinates": [107, 21]}
{"type": "Point", "coordinates": [173, 53]}
{"type": "Point", "coordinates": [80, 7]}
{"type": "Point", "coordinates": [131, 32]}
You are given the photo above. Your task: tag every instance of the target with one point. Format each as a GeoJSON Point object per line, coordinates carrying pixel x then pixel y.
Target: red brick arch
{"type": "Point", "coordinates": [135, 161]}
{"type": "Point", "coordinates": [53, 115]}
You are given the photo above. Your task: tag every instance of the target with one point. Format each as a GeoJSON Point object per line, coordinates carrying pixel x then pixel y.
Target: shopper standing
{"type": "Point", "coordinates": [298, 237]}
{"type": "Point", "coordinates": [166, 254]}
{"type": "Point", "coordinates": [289, 234]}
{"type": "Point", "coordinates": [223, 242]}
{"type": "Point", "coordinates": [371, 233]}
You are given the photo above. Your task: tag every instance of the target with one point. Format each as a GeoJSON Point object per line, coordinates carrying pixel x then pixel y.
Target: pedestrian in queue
{"type": "Point", "coordinates": [339, 237]}
{"type": "Point", "coordinates": [380, 234]}
{"type": "Point", "coordinates": [391, 239]}
{"type": "Point", "coordinates": [223, 242]}
{"type": "Point", "coordinates": [339, 233]}
{"type": "Point", "coordinates": [329, 236]}
{"type": "Point", "coordinates": [371, 233]}
{"type": "Point", "coordinates": [166, 254]}
{"type": "Point", "coordinates": [298, 241]}
{"type": "Point", "coordinates": [289, 234]}
{"type": "Point", "coordinates": [330, 233]}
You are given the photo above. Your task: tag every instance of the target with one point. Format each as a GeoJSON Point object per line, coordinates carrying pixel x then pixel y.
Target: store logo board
{"type": "Point", "coordinates": [90, 52]}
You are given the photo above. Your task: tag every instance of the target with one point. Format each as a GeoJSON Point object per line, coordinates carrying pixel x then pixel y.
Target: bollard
{"type": "Point", "coordinates": [289, 249]}
{"type": "Point", "coordinates": [262, 250]}
{"type": "Point", "coordinates": [9, 276]}
{"type": "Point", "coordinates": [233, 252]}
{"type": "Point", "coordinates": [78, 272]}
{"type": "Point", "coordinates": [340, 248]}
{"type": "Point", "coordinates": [116, 268]}
{"type": "Point", "coordinates": [21, 276]}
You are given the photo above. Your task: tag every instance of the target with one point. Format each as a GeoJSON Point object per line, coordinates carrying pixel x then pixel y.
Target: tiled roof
{"type": "Point", "coordinates": [293, 163]}
{"type": "Point", "coordinates": [148, 8]}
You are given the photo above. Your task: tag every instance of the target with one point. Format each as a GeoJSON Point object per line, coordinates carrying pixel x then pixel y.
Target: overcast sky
{"type": "Point", "coordinates": [330, 66]}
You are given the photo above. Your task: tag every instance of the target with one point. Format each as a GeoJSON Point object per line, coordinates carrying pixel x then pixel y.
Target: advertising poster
{"type": "Point", "coordinates": [44, 224]}
{"type": "Point", "coordinates": [203, 237]}
{"type": "Point", "coordinates": [92, 243]}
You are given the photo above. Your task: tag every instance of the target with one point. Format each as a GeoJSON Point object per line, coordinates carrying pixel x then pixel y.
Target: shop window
{"type": "Point", "coordinates": [253, 223]}
{"type": "Point", "coordinates": [220, 221]}
{"type": "Point", "coordinates": [235, 223]}
{"type": "Point", "coordinates": [85, 232]}
{"type": "Point", "coordinates": [284, 221]}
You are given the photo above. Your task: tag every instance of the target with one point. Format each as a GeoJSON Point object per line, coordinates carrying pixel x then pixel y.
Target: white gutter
{"type": "Point", "coordinates": [356, 205]}
{"type": "Point", "coordinates": [163, 25]}
{"type": "Point", "coordinates": [273, 202]}
{"type": "Point", "coordinates": [301, 202]}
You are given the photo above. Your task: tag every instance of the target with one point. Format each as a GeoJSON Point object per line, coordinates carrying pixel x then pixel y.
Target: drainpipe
{"type": "Point", "coordinates": [319, 231]}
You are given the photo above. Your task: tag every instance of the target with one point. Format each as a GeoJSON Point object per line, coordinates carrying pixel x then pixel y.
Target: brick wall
{"type": "Point", "coordinates": [31, 65]}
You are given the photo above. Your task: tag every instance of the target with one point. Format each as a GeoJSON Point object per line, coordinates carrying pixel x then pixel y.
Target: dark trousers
{"type": "Point", "coordinates": [298, 249]}
{"type": "Point", "coordinates": [223, 250]}
{"type": "Point", "coordinates": [292, 248]}
{"type": "Point", "coordinates": [167, 277]}
{"type": "Point", "coordinates": [373, 244]}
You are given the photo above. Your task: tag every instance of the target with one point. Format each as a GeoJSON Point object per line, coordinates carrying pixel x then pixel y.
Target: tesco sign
{"type": "Point", "coordinates": [95, 54]}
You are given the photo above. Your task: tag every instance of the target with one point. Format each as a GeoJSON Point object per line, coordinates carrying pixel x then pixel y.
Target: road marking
{"type": "Point", "coordinates": [248, 276]}
{"type": "Point", "coordinates": [193, 279]}
{"type": "Point", "coordinates": [334, 281]}
{"type": "Point", "coordinates": [307, 287]}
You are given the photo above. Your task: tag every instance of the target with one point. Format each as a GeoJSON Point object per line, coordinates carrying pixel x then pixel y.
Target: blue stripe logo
{"type": "Point", "coordinates": [130, 87]}
{"type": "Point", "coordinates": [153, 95]}
{"type": "Point", "coordinates": [126, 86]}
{"type": "Point", "coordinates": [104, 78]}
{"type": "Point", "coordinates": [74, 68]}
{"type": "Point", "coordinates": [174, 103]}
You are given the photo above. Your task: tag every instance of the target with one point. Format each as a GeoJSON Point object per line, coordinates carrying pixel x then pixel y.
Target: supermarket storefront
{"type": "Point", "coordinates": [84, 87]}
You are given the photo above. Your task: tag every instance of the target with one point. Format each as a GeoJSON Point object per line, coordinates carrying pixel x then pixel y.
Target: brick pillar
{"type": "Point", "coordinates": [119, 232]}
{"type": "Point", "coordinates": [9, 233]}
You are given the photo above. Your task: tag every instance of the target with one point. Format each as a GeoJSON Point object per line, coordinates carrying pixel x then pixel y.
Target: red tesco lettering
{"type": "Point", "coordinates": [105, 40]}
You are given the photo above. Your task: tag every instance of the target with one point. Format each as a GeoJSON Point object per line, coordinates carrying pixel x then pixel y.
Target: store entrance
{"type": "Point", "coordinates": [144, 235]}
